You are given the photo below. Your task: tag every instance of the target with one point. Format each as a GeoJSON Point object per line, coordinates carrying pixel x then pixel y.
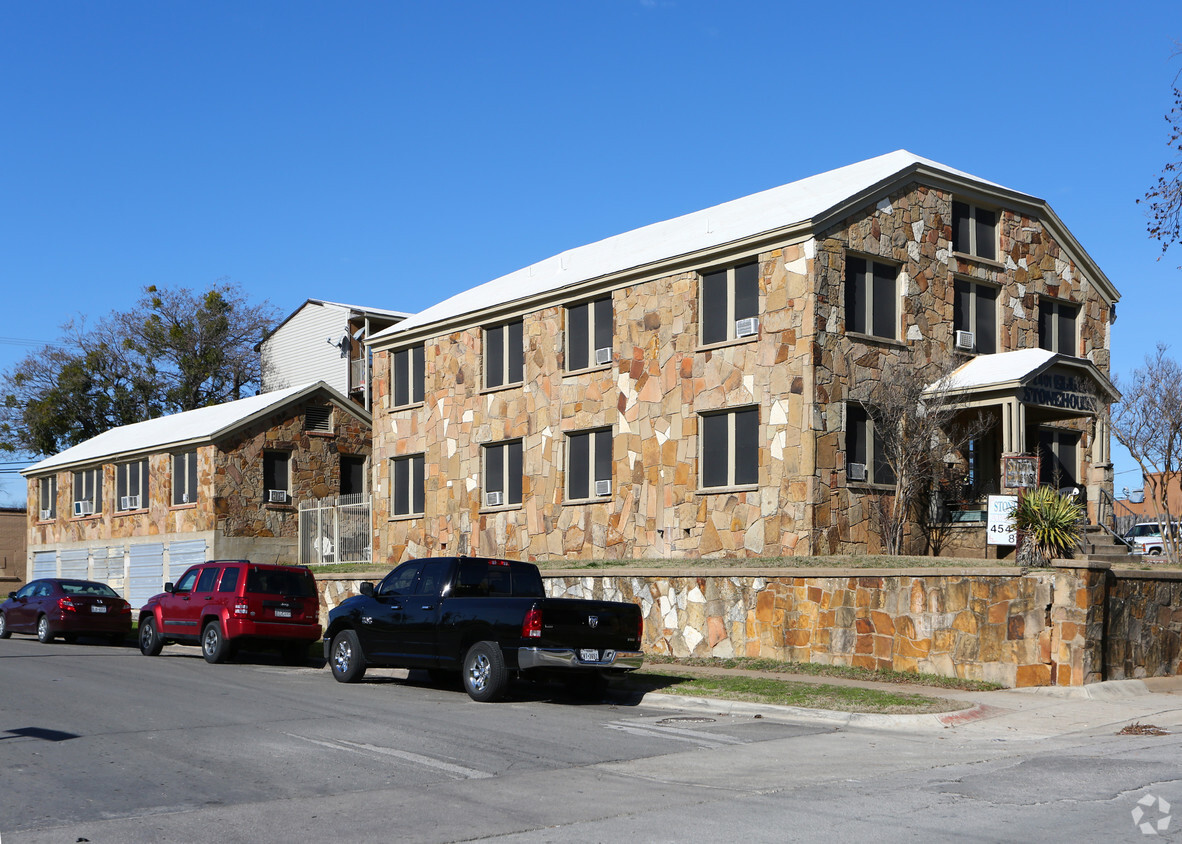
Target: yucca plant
{"type": "Point", "coordinates": [1050, 520]}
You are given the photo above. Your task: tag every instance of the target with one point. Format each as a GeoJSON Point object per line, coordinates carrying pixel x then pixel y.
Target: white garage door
{"type": "Point", "coordinates": [145, 572]}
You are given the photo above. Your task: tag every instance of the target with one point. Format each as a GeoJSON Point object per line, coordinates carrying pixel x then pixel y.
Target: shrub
{"type": "Point", "coordinates": [1050, 521]}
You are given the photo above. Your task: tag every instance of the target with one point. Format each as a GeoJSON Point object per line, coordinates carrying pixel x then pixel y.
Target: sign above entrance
{"type": "Point", "coordinates": [1059, 389]}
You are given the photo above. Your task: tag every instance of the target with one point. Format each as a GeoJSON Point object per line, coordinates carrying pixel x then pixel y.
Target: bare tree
{"type": "Point", "coordinates": [1165, 198]}
{"type": "Point", "coordinates": [1148, 422]}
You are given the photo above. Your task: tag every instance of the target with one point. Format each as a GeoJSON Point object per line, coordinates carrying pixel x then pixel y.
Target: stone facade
{"type": "Point", "coordinates": [1143, 625]}
{"type": "Point", "coordinates": [798, 371]}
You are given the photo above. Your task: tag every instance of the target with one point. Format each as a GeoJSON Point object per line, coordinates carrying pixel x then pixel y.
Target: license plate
{"type": "Point", "coordinates": [98, 609]}
{"type": "Point", "coordinates": [283, 613]}
{"type": "Point", "coordinates": [588, 655]}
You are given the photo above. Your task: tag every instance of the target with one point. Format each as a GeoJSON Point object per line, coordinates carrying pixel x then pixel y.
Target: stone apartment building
{"type": "Point", "coordinates": [136, 505]}
{"type": "Point", "coordinates": [695, 388]}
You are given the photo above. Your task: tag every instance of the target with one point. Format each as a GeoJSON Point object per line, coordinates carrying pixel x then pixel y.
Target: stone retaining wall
{"type": "Point", "coordinates": [1143, 635]}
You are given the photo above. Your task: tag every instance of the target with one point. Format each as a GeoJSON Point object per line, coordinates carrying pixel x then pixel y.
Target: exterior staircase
{"type": "Point", "coordinates": [1101, 546]}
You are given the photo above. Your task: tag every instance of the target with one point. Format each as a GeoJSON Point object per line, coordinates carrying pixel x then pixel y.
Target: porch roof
{"type": "Point", "coordinates": [1006, 370]}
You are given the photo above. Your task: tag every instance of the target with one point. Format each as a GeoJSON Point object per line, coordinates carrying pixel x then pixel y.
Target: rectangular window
{"type": "Point", "coordinates": [589, 465]}
{"type": "Point", "coordinates": [276, 476]}
{"type": "Point", "coordinates": [88, 492]}
{"type": "Point", "coordinates": [974, 231]}
{"type": "Point", "coordinates": [1058, 452]}
{"type": "Point", "coordinates": [47, 497]}
{"type": "Point", "coordinates": [729, 448]}
{"type": "Point", "coordinates": [865, 454]}
{"type": "Point", "coordinates": [131, 485]}
{"type": "Point", "coordinates": [730, 303]}
{"type": "Point", "coordinates": [408, 376]}
{"type": "Point", "coordinates": [975, 311]}
{"type": "Point", "coordinates": [1057, 326]}
{"type": "Point", "coordinates": [184, 478]}
{"type": "Point", "coordinates": [871, 298]}
{"type": "Point", "coordinates": [406, 485]}
{"type": "Point", "coordinates": [589, 334]}
{"type": "Point", "coordinates": [502, 474]}
{"type": "Point", "coordinates": [504, 355]}
{"type": "Point", "coordinates": [352, 474]}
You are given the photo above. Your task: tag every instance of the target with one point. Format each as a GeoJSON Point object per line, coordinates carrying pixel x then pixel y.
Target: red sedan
{"type": "Point", "coordinates": [54, 607]}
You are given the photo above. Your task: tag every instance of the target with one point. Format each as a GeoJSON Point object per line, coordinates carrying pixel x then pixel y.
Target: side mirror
{"type": "Point", "coordinates": [366, 588]}
{"type": "Point", "coordinates": [11, 594]}
{"type": "Point", "coordinates": [169, 587]}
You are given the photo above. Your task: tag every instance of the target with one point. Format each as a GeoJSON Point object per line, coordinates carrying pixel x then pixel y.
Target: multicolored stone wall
{"type": "Point", "coordinates": [1143, 625]}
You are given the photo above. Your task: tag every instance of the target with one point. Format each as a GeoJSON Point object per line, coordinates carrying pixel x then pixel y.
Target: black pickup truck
{"type": "Point", "coordinates": [487, 619]}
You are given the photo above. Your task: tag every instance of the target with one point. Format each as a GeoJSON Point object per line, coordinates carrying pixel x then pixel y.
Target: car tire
{"type": "Point", "coordinates": [44, 634]}
{"type": "Point", "coordinates": [345, 659]}
{"type": "Point", "coordinates": [151, 644]}
{"type": "Point", "coordinates": [485, 677]}
{"type": "Point", "coordinates": [294, 653]}
{"type": "Point", "coordinates": [4, 631]}
{"type": "Point", "coordinates": [215, 647]}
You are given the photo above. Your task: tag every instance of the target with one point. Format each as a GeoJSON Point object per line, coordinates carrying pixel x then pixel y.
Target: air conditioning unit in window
{"type": "Point", "coordinates": [492, 499]}
{"type": "Point", "coordinates": [277, 496]}
{"type": "Point", "coordinates": [129, 502]}
{"type": "Point", "coordinates": [747, 327]}
{"type": "Point", "coordinates": [603, 487]}
{"type": "Point", "coordinates": [83, 508]}
{"type": "Point", "coordinates": [46, 515]}
{"type": "Point", "coordinates": [965, 341]}
{"type": "Point", "coordinates": [603, 356]}
{"type": "Point", "coordinates": [855, 471]}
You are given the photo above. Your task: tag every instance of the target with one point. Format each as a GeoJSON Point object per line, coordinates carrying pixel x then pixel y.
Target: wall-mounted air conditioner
{"type": "Point", "coordinates": [965, 341]}
{"type": "Point", "coordinates": [603, 356]}
{"type": "Point", "coordinates": [46, 515]}
{"type": "Point", "coordinates": [603, 487]}
{"type": "Point", "coordinates": [492, 499]}
{"type": "Point", "coordinates": [856, 471]}
{"type": "Point", "coordinates": [747, 327]}
{"type": "Point", "coordinates": [277, 496]}
{"type": "Point", "coordinates": [83, 508]}
{"type": "Point", "coordinates": [129, 502]}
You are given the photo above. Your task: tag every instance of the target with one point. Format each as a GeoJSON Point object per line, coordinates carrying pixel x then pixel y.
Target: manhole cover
{"type": "Point", "coordinates": [687, 720]}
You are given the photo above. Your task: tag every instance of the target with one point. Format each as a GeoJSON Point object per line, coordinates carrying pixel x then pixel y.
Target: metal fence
{"type": "Point", "coordinates": [336, 530]}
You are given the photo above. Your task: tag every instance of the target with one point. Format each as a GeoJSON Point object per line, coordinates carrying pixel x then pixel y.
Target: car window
{"type": "Point", "coordinates": [434, 575]}
{"type": "Point", "coordinates": [185, 584]}
{"type": "Point", "coordinates": [291, 583]}
{"type": "Point", "coordinates": [229, 579]}
{"type": "Point", "coordinates": [209, 576]}
{"type": "Point", "coordinates": [43, 590]}
{"type": "Point", "coordinates": [400, 581]}
{"type": "Point", "coordinates": [527, 581]}
{"type": "Point", "coordinates": [26, 591]}
{"type": "Point", "coordinates": [89, 589]}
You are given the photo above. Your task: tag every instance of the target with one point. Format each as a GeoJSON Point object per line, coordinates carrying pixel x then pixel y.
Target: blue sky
{"type": "Point", "coordinates": [392, 154]}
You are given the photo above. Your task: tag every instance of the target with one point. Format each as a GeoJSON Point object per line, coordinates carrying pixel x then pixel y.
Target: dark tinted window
{"type": "Point", "coordinates": [855, 295]}
{"type": "Point", "coordinates": [187, 580]}
{"type": "Point", "coordinates": [714, 327]}
{"type": "Point", "coordinates": [714, 451]}
{"type": "Point", "coordinates": [401, 581]}
{"type": "Point", "coordinates": [577, 332]}
{"type": "Point", "coordinates": [479, 578]}
{"type": "Point", "coordinates": [494, 356]}
{"type": "Point", "coordinates": [229, 579]}
{"type": "Point", "coordinates": [435, 574]}
{"type": "Point", "coordinates": [293, 583]}
{"type": "Point", "coordinates": [885, 321]}
{"type": "Point", "coordinates": [352, 474]}
{"type": "Point", "coordinates": [986, 222]}
{"type": "Point", "coordinates": [747, 446]}
{"type": "Point", "coordinates": [961, 227]}
{"type": "Point", "coordinates": [208, 578]}
{"type": "Point", "coordinates": [86, 587]}
{"type": "Point", "coordinates": [603, 324]}
{"type": "Point", "coordinates": [985, 329]}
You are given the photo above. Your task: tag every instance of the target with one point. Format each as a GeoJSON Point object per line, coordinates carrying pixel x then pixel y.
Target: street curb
{"type": "Point", "coordinates": [931, 720]}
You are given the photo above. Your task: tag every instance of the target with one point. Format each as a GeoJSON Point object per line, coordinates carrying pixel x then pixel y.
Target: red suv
{"type": "Point", "coordinates": [223, 603]}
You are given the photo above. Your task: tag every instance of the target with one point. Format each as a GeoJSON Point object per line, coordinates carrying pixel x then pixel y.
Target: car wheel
{"type": "Point", "coordinates": [485, 677]}
{"type": "Point", "coordinates": [4, 631]}
{"type": "Point", "coordinates": [150, 642]}
{"type": "Point", "coordinates": [295, 653]}
{"type": "Point", "coordinates": [44, 634]}
{"type": "Point", "coordinates": [214, 646]}
{"type": "Point", "coordinates": [346, 659]}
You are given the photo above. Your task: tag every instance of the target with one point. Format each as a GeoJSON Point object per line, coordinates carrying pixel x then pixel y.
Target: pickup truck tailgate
{"type": "Point", "coordinates": [591, 624]}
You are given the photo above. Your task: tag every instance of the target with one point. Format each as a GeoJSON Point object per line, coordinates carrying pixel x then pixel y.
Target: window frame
{"type": "Point", "coordinates": [415, 485]}
{"type": "Point", "coordinates": [83, 479]}
{"type": "Point", "coordinates": [502, 456]}
{"type": "Point", "coordinates": [408, 376]}
{"type": "Point", "coordinates": [186, 461]}
{"type": "Point", "coordinates": [351, 460]}
{"type": "Point", "coordinates": [47, 489]}
{"type": "Point", "coordinates": [501, 338]}
{"type": "Point", "coordinates": [600, 325]}
{"type": "Point", "coordinates": [1054, 308]}
{"type": "Point", "coordinates": [599, 442]}
{"type": "Point", "coordinates": [708, 451]}
{"type": "Point", "coordinates": [972, 286]}
{"type": "Point", "coordinates": [124, 476]}
{"type": "Point", "coordinates": [870, 443]}
{"type": "Point", "coordinates": [870, 297]}
{"type": "Point", "coordinates": [728, 277]}
{"type": "Point", "coordinates": [974, 211]}
{"type": "Point", "coordinates": [285, 456]}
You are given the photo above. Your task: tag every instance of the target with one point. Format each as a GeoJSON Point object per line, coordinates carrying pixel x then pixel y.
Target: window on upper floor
{"type": "Point", "coordinates": [47, 498]}
{"type": "Point", "coordinates": [406, 485]}
{"type": "Point", "coordinates": [974, 230]}
{"type": "Point", "coordinates": [502, 474]}
{"type": "Point", "coordinates": [407, 375]}
{"type": "Point", "coordinates": [504, 355]}
{"type": "Point", "coordinates": [88, 492]}
{"type": "Point", "coordinates": [728, 449]}
{"type": "Point", "coordinates": [352, 474]}
{"type": "Point", "coordinates": [1057, 326]}
{"type": "Point", "coordinates": [871, 297]}
{"type": "Point", "coordinates": [589, 334]}
{"type": "Point", "coordinates": [730, 303]}
{"type": "Point", "coordinates": [276, 477]}
{"type": "Point", "coordinates": [131, 485]}
{"type": "Point", "coordinates": [589, 464]}
{"type": "Point", "coordinates": [865, 454]}
{"type": "Point", "coordinates": [184, 478]}
{"type": "Point", "coordinates": [974, 316]}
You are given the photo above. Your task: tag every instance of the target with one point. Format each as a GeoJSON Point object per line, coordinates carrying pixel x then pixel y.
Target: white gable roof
{"type": "Point", "coordinates": [189, 427]}
{"type": "Point", "coordinates": [769, 210]}
{"type": "Point", "coordinates": [1011, 368]}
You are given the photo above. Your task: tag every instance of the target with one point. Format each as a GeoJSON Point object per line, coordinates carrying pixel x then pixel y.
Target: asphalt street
{"type": "Point", "coordinates": [102, 744]}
